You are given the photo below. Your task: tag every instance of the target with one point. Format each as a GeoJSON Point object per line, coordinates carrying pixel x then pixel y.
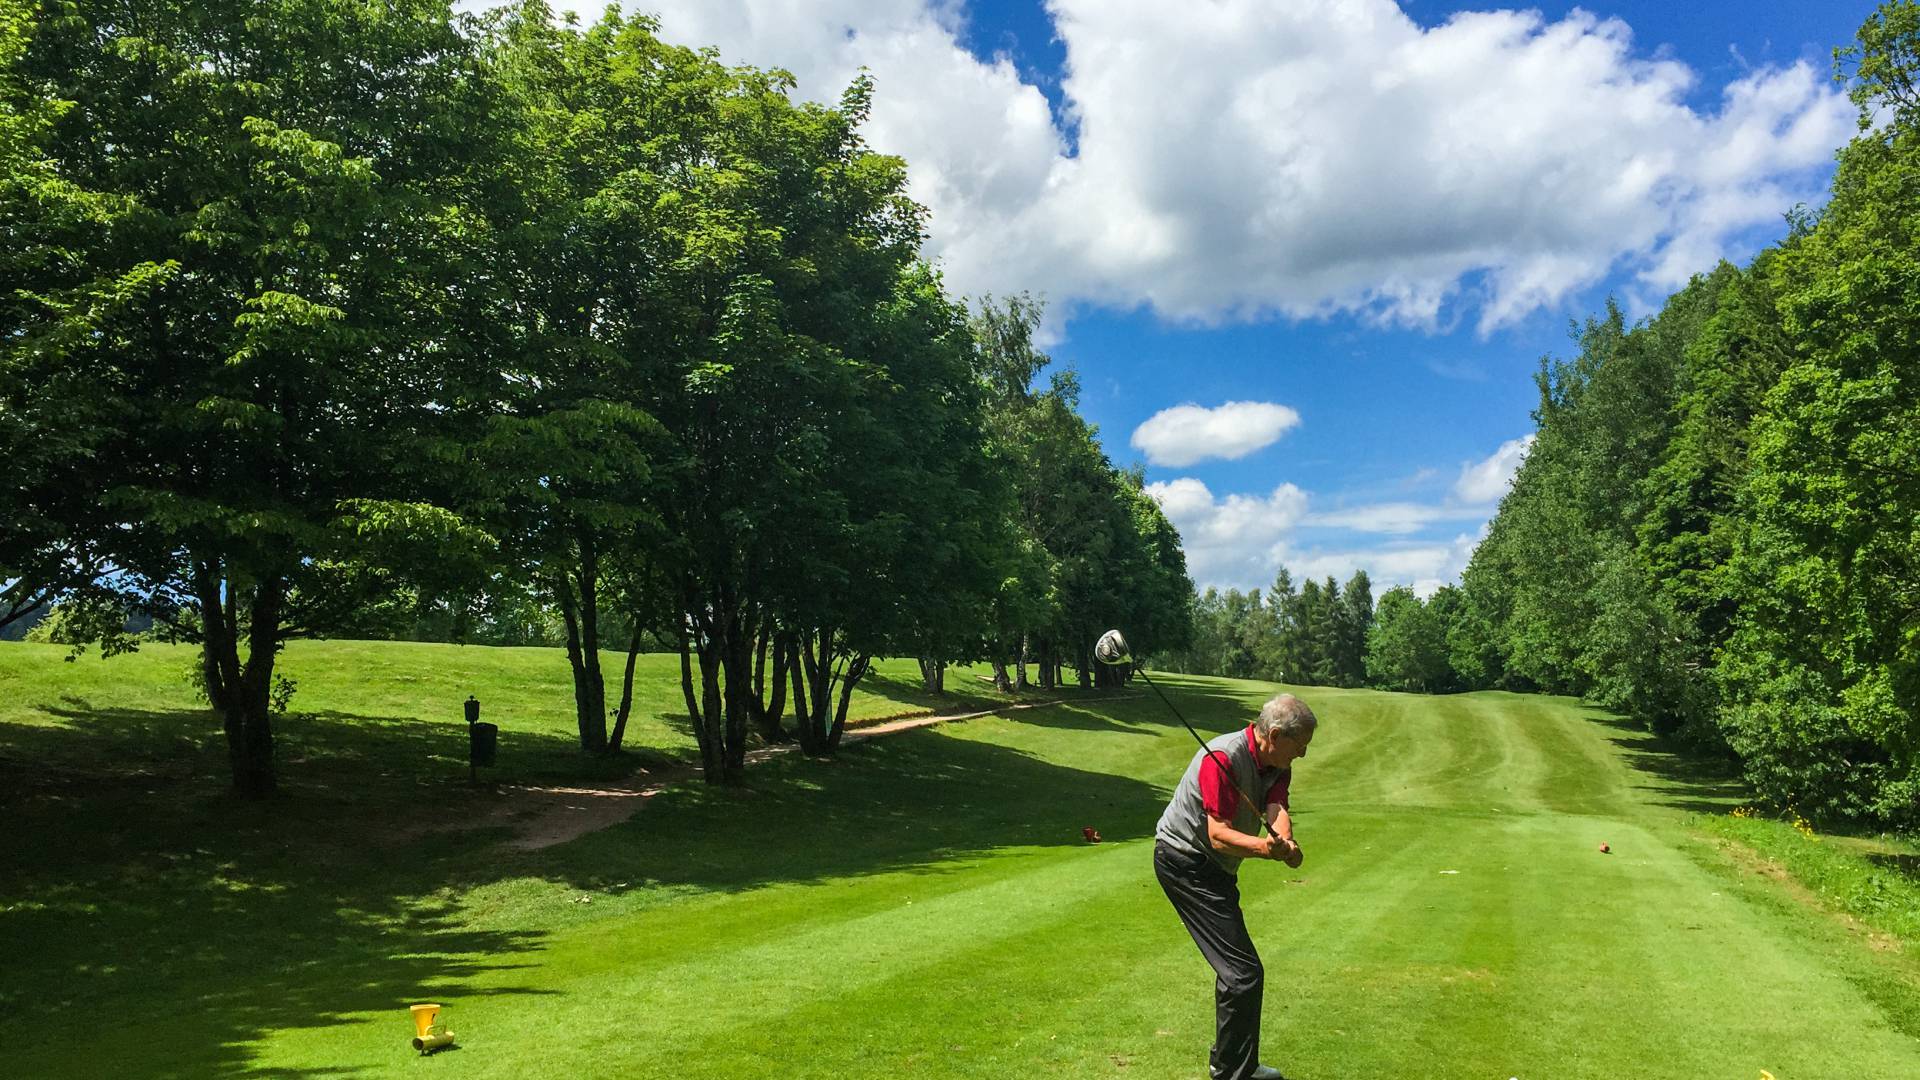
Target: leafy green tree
{"type": "Point", "coordinates": [590, 130]}
{"type": "Point", "coordinates": [276, 286]}
{"type": "Point", "coordinates": [1715, 523]}
{"type": "Point", "coordinates": [1279, 657]}
{"type": "Point", "coordinates": [1821, 673]}
{"type": "Point", "coordinates": [1686, 539]}
{"type": "Point", "coordinates": [1355, 620]}
{"type": "Point", "coordinates": [1009, 365]}
{"type": "Point", "coordinates": [1408, 647]}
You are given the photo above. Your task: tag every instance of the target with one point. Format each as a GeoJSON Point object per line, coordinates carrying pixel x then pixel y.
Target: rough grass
{"type": "Point", "coordinates": [924, 906]}
{"type": "Point", "coordinates": [1875, 880]}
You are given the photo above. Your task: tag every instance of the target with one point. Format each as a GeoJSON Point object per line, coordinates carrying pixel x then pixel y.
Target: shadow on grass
{"type": "Point", "coordinates": [1907, 866]}
{"type": "Point", "coordinates": [962, 694]}
{"type": "Point", "coordinates": [1682, 776]}
{"type": "Point", "coordinates": [922, 802]}
{"type": "Point", "coordinates": [139, 894]}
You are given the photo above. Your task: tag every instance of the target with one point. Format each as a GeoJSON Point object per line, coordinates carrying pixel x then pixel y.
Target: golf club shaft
{"type": "Point", "coordinates": [1219, 759]}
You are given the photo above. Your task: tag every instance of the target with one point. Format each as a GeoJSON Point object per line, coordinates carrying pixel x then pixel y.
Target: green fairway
{"type": "Point", "coordinates": [924, 905]}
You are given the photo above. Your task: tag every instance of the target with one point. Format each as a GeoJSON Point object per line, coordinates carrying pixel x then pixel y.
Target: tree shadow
{"type": "Point", "coordinates": [140, 895]}
{"type": "Point", "coordinates": [1071, 715]}
{"type": "Point", "coordinates": [1905, 865]}
{"type": "Point", "coordinates": [314, 748]}
{"type": "Point", "coordinates": [1681, 776]}
{"type": "Point", "coordinates": [922, 802]}
{"type": "Point", "coordinates": [962, 694]}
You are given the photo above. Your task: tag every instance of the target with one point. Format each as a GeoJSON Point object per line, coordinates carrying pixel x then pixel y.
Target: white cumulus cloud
{"type": "Point", "coordinates": [1423, 566]}
{"type": "Point", "coordinates": [1189, 433]}
{"type": "Point", "coordinates": [1486, 480]}
{"type": "Point", "coordinates": [1241, 158]}
{"type": "Point", "coordinates": [1230, 540]}
{"type": "Point", "coordinates": [1241, 541]}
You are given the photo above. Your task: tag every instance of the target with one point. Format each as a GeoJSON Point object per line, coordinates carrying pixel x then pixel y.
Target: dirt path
{"type": "Point", "coordinates": [544, 816]}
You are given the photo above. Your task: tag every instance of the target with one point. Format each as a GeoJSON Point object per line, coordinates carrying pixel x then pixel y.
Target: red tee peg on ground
{"type": "Point", "coordinates": [1092, 834]}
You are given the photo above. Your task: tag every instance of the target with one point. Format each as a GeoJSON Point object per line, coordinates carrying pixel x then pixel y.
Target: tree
{"type": "Point", "coordinates": [1821, 673]}
{"type": "Point", "coordinates": [591, 128]}
{"type": "Point", "coordinates": [1355, 619]}
{"type": "Point", "coordinates": [276, 319]}
{"type": "Point", "coordinates": [1408, 649]}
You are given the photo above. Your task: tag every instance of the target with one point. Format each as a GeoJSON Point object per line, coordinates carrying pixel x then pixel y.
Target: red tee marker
{"type": "Point", "coordinates": [1604, 849]}
{"type": "Point", "coordinates": [1092, 834]}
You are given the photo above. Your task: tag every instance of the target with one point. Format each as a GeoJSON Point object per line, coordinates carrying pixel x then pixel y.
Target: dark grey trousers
{"type": "Point", "coordinates": [1208, 900]}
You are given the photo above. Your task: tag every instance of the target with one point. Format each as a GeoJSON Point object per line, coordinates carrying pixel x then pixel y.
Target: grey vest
{"type": "Point", "coordinates": [1184, 823]}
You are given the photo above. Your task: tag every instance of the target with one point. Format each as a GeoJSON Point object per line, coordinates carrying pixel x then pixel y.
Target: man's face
{"type": "Point", "coordinates": [1278, 751]}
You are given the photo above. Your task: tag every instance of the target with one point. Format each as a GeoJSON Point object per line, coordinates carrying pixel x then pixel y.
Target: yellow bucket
{"type": "Point", "coordinates": [423, 1018]}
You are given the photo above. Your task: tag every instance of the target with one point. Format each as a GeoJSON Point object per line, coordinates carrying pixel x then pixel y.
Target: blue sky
{"type": "Point", "coordinates": [1364, 222]}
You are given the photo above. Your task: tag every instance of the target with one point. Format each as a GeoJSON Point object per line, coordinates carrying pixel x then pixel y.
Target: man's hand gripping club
{"type": "Point", "coordinates": [1278, 844]}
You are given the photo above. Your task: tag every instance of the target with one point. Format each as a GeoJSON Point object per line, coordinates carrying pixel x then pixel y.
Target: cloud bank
{"type": "Point", "coordinates": [1244, 158]}
{"type": "Point", "coordinates": [1241, 541]}
{"type": "Point", "coordinates": [1186, 434]}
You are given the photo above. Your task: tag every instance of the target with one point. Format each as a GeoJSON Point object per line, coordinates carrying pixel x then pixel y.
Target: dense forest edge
{"type": "Point", "coordinates": [327, 319]}
{"type": "Point", "coordinates": [1716, 529]}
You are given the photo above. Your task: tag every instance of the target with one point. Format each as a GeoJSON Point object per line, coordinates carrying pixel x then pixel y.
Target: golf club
{"type": "Point", "coordinates": [1112, 650]}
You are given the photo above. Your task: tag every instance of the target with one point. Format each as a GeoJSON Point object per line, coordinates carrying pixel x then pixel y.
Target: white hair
{"type": "Point", "coordinates": [1286, 715]}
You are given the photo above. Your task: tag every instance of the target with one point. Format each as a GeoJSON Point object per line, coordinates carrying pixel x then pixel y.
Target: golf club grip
{"type": "Point", "coordinates": [1225, 770]}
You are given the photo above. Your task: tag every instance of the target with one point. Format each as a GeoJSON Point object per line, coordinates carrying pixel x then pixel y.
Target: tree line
{"type": "Point", "coordinates": [1315, 633]}
{"type": "Point", "coordinates": [324, 318]}
{"type": "Point", "coordinates": [1715, 530]}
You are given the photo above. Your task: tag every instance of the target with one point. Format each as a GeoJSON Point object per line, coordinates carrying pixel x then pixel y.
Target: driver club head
{"type": "Point", "coordinates": [1112, 649]}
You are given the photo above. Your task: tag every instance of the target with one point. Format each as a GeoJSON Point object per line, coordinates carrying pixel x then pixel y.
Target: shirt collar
{"type": "Point", "coordinates": [1254, 749]}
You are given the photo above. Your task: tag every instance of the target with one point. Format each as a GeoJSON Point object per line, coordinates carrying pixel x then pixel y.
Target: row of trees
{"type": "Point", "coordinates": [1715, 530]}
{"type": "Point", "coordinates": [330, 318]}
{"type": "Point", "coordinates": [1321, 634]}
{"type": "Point", "coordinates": [1314, 634]}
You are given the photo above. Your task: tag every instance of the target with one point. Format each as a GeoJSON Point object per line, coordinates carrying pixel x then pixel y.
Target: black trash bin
{"type": "Point", "coordinates": [481, 738]}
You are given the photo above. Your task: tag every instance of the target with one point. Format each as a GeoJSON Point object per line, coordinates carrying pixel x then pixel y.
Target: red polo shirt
{"type": "Point", "coordinates": [1217, 793]}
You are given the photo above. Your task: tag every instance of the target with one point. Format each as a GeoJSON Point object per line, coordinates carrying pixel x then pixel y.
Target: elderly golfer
{"type": "Point", "coordinates": [1206, 831]}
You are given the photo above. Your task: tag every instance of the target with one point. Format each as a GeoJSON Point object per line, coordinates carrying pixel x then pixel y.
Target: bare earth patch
{"type": "Point", "coordinates": [542, 816]}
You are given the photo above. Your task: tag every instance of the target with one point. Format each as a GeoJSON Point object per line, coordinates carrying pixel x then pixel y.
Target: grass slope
{"type": "Point", "coordinates": [391, 706]}
{"type": "Point", "coordinates": [924, 905]}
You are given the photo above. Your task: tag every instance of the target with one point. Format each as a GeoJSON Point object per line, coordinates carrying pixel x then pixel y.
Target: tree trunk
{"type": "Point", "coordinates": [709, 751]}
{"type": "Point", "coordinates": [816, 656]}
{"type": "Point", "coordinates": [796, 672]}
{"type": "Point", "coordinates": [626, 689]}
{"type": "Point", "coordinates": [933, 675]}
{"type": "Point", "coordinates": [767, 702]}
{"type": "Point", "coordinates": [856, 669]}
{"type": "Point", "coordinates": [592, 704]}
{"type": "Point", "coordinates": [239, 695]}
{"type": "Point", "coordinates": [256, 682]}
{"type": "Point", "coordinates": [1046, 667]}
{"type": "Point", "coordinates": [1020, 666]}
{"type": "Point", "coordinates": [713, 747]}
{"type": "Point", "coordinates": [777, 703]}
{"type": "Point", "coordinates": [1001, 681]}
{"type": "Point", "coordinates": [736, 654]}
